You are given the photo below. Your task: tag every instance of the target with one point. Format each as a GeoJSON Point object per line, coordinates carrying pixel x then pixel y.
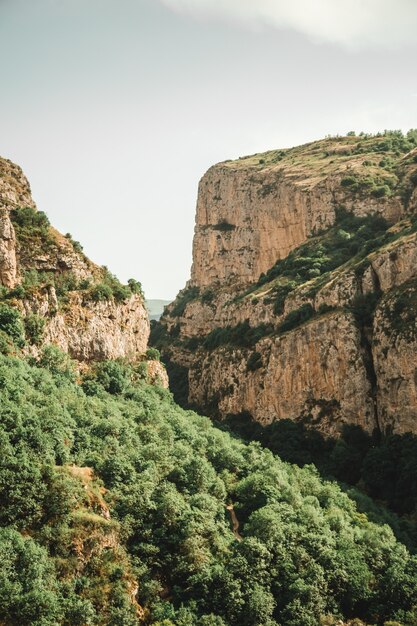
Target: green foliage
{"type": "Point", "coordinates": [207, 296]}
{"type": "Point", "coordinates": [34, 328]}
{"type": "Point", "coordinates": [224, 226]}
{"type": "Point", "coordinates": [305, 551]}
{"type": "Point", "coordinates": [384, 467]}
{"type": "Point", "coordinates": [153, 354]}
{"type": "Point", "coordinates": [242, 335]}
{"type": "Point", "coordinates": [280, 293]}
{"type": "Point", "coordinates": [110, 288]}
{"type": "Point", "coordinates": [377, 185]}
{"type": "Point", "coordinates": [297, 317]}
{"type": "Point", "coordinates": [29, 594]}
{"type": "Point", "coordinates": [6, 343]}
{"type": "Point", "coordinates": [100, 292]}
{"type": "Point", "coordinates": [254, 361]}
{"type": "Point", "coordinates": [135, 286]}
{"type": "Point", "coordinates": [75, 244]}
{"type": "Point", "coordinates": [114, 376]}
{"type": "Point", "coordinates": [27, 220]}
{"type": "Point", "coordinates": [57, 363]}
{"type": "Point", "coordinates": [183, 299]}
{"type": "Point", "coordinates": [11, 324]}
{"type": "Point", "coordinates": [350, 238]}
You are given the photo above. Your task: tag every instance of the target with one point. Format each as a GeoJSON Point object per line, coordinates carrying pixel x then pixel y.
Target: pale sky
{"type": "Point", "coordinates": [116, 108]}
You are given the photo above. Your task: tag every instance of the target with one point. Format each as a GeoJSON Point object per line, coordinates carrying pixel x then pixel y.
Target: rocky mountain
{"type": "Point", "coordinates": [64, 299]}
{"type": "Point", "coordinates": [119, 508]}
{"type": "Point", "coordinates": [303, 291]}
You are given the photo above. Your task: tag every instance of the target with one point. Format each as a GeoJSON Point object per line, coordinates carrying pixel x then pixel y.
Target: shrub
{"type": "Point", "coordinates": [207, 296]}
{"type": "Point", "coordinates": [34, 328]}
{"type": "Point", "coordinates": [297, 317]}
{"type": "Point", "coordinates": [254, 362]}
{"type": "Point", "coordinates": [58, 363]}
{"type": "Point", "coordinates": [135, 286]}
{"type": "Point", "coordinates": [6, 344]}
{"type": "Point", "coordinates": [75, 244]}
{"type": "Point", "coordinates": [114, 376]}
{"type": "Point", "coordinates": [101, 292]}
{"type": "Point", "coordinates": [348, 181]}
{"type": "Point", "coordinates": [153, 354]}
{"type": "Point", "coordinates": [11, 324]}
{"type": "Point", "coordinates": [180, 304]}
{"type": "Point", "coordinates": [27, 218]}
{"type": "Point", "coordinates": [224, 226]}
{"type": "Point", "coordinates": [242, 335]}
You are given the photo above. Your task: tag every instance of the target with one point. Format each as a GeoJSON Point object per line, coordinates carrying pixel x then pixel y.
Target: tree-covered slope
{"type": "Point", "coordinates": [103, 492]}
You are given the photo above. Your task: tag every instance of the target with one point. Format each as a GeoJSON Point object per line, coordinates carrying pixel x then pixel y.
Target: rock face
{"type": "Point", "coordinates": [326, 346]}
{"type": "Point", "coordinates": [47, 275]}
{"type": "Point", "coordinates": [8, 264]}
{"type": "Point", "coordinates": [248, 216]}
{"type": "Point", "coordinates": [316, 373]}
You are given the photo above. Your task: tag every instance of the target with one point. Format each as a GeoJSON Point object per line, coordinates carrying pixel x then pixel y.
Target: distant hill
{"type": "Point", "coordinates": [156, 308]}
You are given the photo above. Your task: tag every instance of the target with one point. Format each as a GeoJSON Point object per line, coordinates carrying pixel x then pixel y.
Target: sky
{"type": "Point", "coordinates": [116, 108]}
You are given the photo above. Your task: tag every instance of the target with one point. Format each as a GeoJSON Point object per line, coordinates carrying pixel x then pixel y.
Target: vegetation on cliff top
{"type": "Point", "coordinates": [365, 154]}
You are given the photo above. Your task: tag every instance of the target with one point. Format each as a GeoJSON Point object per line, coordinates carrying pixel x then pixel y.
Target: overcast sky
{"type": "Point", "coordinates": [115, 108]}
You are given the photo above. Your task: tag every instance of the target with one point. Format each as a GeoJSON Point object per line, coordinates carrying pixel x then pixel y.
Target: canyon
{"type": "Point", "coordinates": [302, 298]}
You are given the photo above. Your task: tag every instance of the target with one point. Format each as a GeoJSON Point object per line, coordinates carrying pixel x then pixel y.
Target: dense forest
{"type": "Point", "coordinates": [119, 507]}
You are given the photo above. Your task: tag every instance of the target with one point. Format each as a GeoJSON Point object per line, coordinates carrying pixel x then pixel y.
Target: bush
{"type": "Point", "coordinates": [114, 376]}
{"type": "Point", "coordinates": [135, 286]}
{"type": "Point", "coordinates": [26, 218]}
{"type": "Point", "coordinates": [153, 354]}
{"type": "Point", "coordinates": [180, 304]}
{"type": "Point", "coordinates": [11, 324]}
{"type": "Point", "coordinates": [101, 292]}
{"type": "Point", "coordinates": [242, 335]}
{"type": "Point", "coordinates": [34, 328]}
{"type": "Point", "coordinates": [58, 363]}
{"type": "Point", "coordinates": [254, 362]}
{"type": "Point", "coordinates": [295, 318]}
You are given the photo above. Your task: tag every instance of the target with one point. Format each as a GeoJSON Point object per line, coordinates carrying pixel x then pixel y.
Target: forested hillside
{"type": "Point", "coordinates": [117, 509]}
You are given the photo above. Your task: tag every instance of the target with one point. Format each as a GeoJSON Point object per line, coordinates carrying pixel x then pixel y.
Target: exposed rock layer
{"type": "Point", "coordinates": [330, 370]}
{"type": "Point", "coordinates": [88, 330]}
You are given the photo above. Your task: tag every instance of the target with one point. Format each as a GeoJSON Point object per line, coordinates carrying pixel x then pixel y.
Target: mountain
{"type": "Point", "coordinates": [119, 508]}
{"type": "Point", "coordinates": [302, 299]}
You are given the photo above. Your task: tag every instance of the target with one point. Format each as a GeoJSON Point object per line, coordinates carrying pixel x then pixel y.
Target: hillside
{"type": "Point", "coordinates": [301, 302]}
{"type": "Point", "coordinates": [116, 510]}
{"type": "Point", "coordinates": [119, 508]}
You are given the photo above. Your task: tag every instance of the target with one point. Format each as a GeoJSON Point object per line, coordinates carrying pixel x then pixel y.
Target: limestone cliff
{"type": "Point", "coordinates": [66, 299]}
{"type": "Point", "coordinates": [291, 311]}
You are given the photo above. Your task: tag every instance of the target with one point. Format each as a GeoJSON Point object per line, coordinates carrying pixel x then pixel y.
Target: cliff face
{"type": "Point", "coordinates": [256, 210]}
{"type": "Point", "coordinates": [80, 306]}
{"type": "Point", "coordinates": [299, 258]}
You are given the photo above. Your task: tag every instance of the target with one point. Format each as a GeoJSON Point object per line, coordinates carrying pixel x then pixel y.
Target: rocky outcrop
{"type": "Point", "coordinates": [249, 214]}
{"type": "Point", "coordinates": [93, 331]}
{"type": "Point", "coordinates": [56, 282]}
{"type": "Point", "coordinates": [315, 373]}
{"type": "Point", "coordinates": [8, 263]}
{"type": "Point", "coordinates": [14, 186]}
{"type": "Point", "coordinates": [340, 360]}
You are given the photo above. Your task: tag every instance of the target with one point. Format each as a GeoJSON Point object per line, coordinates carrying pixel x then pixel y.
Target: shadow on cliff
{"type": "Point", "coordinates": [378, 471]}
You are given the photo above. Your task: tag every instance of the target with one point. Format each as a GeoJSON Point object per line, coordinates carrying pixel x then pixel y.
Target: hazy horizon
{"type": "Point", "coordinates": [115, 110]}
